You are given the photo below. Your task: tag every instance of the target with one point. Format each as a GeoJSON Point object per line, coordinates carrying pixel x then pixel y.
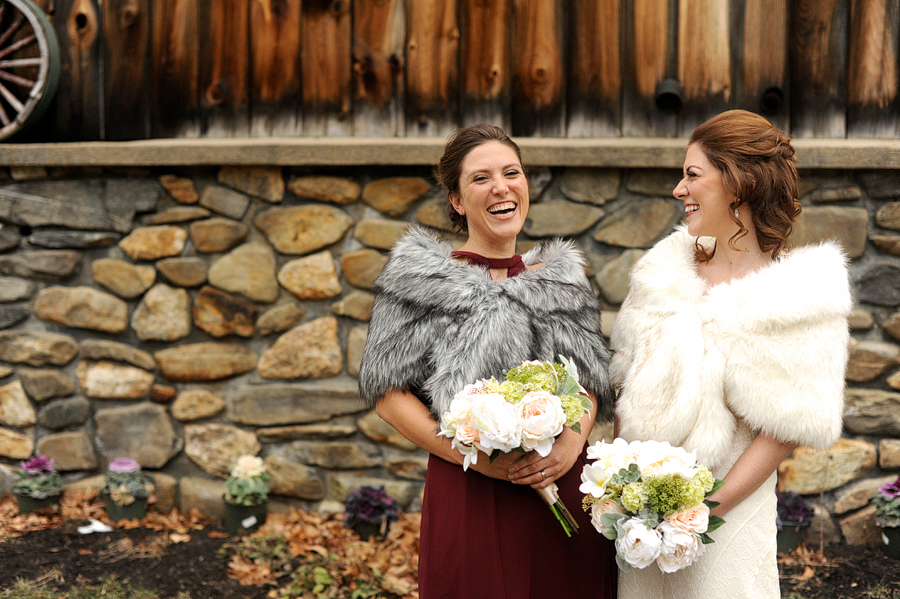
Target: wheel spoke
{"type": "Point", "coordinates": [19, 44]}
{"type": "Point", "coordinates": [12, 99]}
{"type": "Point", "coordinates": [2, 11]}
{"type": "Point", "coordinates": [20, 62]}
{"type": "Point", "coordinates": [3, 116]}
{"type": "Point", "coordinates": [12, 29]}
{"type": "Point", "coordinates": [20, 81]}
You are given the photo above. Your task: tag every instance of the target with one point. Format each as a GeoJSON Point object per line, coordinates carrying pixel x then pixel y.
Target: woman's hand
{"type": "Point", "coordinates": [533, 470]}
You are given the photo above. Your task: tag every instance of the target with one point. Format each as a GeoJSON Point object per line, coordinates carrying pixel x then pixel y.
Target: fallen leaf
{"type": "Point", "coordinates": [179, 538]}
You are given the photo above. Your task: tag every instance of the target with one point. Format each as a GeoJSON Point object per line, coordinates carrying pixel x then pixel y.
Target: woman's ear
{"type": "Point", "coordinates": [456, 202]}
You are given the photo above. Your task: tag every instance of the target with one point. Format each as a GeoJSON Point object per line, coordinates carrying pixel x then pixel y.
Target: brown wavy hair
{"type": "Point", "coordinates": [758, 168]}
{"type": "Point", "coordinates": [449, 168]}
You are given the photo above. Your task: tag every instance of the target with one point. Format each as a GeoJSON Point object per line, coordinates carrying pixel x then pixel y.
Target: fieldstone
{"type": "Point", "coordinates": [15, 409]}
{"type": "Point", "coordinates": [590, 185]}
{"type": "Point", "coordinates": [272, 405]}
{"type": "Point", "coordinates": [183, 271]}
{"type": "Point", "coordinates": [879, 285]}
{"type": "Point", "coordinates": [561, 218]}
{"type": "Point", "coordinates": [217, 234]}
{"type": "Point", "coordinates": [356, 304]}
{"type": "Point", "coordinates": [294, 480]}
{"type": "Point", "coordinates": [887, 244]}
{"type": "Point", "coordinates": [393, 196]}
{"type": "Point", "coordinates": [181, 189]}
{"type": "Point", "coordinates": [10, 316]}
{"type": "Point", "coordinates": [822, 528]}
{"type": "Point", "coordinates": [103, 349]}
{"type": "Point", "coordinates": [341, 485]}
{"type": "Point", "coordinates": [219, 313]}
{"type": "Point", "coordinates": [51, 265]}
{"type": "Point", "coordinates": [303, 229]}
{"type": "Point", "coordinates": [203, 494]}
{"type": "Point", "coordinates": [889, 454]}
{"type": "Point", "coordinates": [433, 213]}
{"type": "Point", "coordinates": [356, 344]}
{"type": "Point", "coordinates": [41, 384]}
{"type": "Point", "coordinates": [153, 243]}
{"type": "Point", "coordinates": [277, 434]}
{"type": "Point", "coordinates": [166, 492]}
{"type": "Point", "coordinates": [36, 349]}
{"type": "Point", "coordinates": [7, 480]}
{"type": "Point", "coordinates": [163, 314]}
{"type": "Point", "coordinates": [142, 432]}
{"type": "Point", "coordinates": [881, 184]}
{"type": "Point", "coordinates": [858, 494]}
{"type": "Point", "coordinates": [124, 197]}
{"type": "Point", "coordinates": [215, 447]}
{"type": "Point", "coordinates": [312, 277]}
{"type": "Point", "coordinates": [888, 216]}
{"type": "Point", "coordinates": [14, 289]}
{"type": "Point", "coordinates": [264, 182]}
{"type": "Point", "coordinates": [279, 318]}
{"type": "Point", "coordinates": [538, 180]}
{"type": "Point", "coordinates": [178, 214]}
{"type": "Point", "coordinates": [872, 412]}
{"type": "Point", "coordinates": [110, 380]}
{"type": "Point", "coordinates": [205, 361]}
{"type": "Point", "coordinates": [653, 181]}
{"type": "Point", "coordinates": [70, 450]}
{"type": "Point", "coordinates": [362, 267]}
{"type": "Point", "coordinates": [378, 430]}
{"type": "Point", "coordinates": [337, 455]}
{"type": "Point", "coordinates": [225, 201]}
{"type": "Point", "coordinates": [847, 193]}
{"type": "Point", "coordinates": [408, 467]}
{"type": "Point", "coordinates": [638, 224]}
{"type": "Point", "coordinates": [196, 404]}
{"type": "Point", "coordinates": [847, 226]}
{"type": "Point", "coordinates": [64, 239]}
{"type": "Point", "coordinates": [337, 190]}
{"type": "Point", "coordinates": [861, 320]}
{"type": "Point", "coordinates": [16, 446]}
{"type": "Point", "coordinates": [871, 359]}
{"type": "Point", "coordinates": [9, 237]}
{"type": "Point", "coordinates": [123, 278]}
{"type": "Point", "coordinates": [310, 350]}
{"type": "Point", "coordinates": [162, 393]}
{"type": "Point", "coordinates": [860, 528]}
{"type": "Point", "coordinates": [380, 233]}
{"type": "Point", "coordinates": [613, 278]}
{"type": "Point", "coordinates": [810, 471]}
{"type": "Point", "coordinates": [73, 411]}
{"type": "Point", "coordinates": [5, 370]}
{"type": "Point", "coordinates": [248, 270]}
{"type": "Point", "coordinates": [82, 307]}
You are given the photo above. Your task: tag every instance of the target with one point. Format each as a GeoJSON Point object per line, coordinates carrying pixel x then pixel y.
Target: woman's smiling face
{"type": "Point", "coordinates": [706, 201]}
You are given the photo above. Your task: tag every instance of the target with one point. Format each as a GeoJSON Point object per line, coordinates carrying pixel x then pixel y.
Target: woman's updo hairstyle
{"type": "Point", "coordinates": [449, 168]}
{"type": "Point", "coordinates": [758, 168]}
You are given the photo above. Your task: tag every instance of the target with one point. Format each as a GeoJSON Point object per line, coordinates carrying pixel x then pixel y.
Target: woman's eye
{"type": "Point", "coordinates": [479, 178]}
{"type": "Point", "coordinates": [512, 173]}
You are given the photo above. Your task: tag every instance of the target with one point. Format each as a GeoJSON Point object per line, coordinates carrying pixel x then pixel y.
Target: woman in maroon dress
{"type": "Point", "coordinates": [443, 319]}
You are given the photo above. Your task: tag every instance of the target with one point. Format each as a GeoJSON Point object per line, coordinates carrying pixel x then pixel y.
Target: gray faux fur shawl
{"type": "Point", "coordinates": [770, 348]}
{"type": "Point", "coordinates": [439, 324]}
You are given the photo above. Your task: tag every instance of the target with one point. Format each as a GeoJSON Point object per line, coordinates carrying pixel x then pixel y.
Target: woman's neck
{"type": "Point", "coordinates": [499, 249]}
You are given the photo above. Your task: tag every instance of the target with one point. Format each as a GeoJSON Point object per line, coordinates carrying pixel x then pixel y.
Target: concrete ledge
{"type": "Point", "coordinates": [307, 151]}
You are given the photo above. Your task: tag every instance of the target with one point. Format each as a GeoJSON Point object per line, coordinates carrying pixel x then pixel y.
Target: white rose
{"type": "Point", "coordinates": [612, 457]}
{"type": "Point", "coordinates": [660, 458]}
{"type": "Point", "coordinates": [494, 418]}
{"type": "Point", "coordinates": [638, 544]}
{"type": "Point", "coordinates": [248, 466]}
{"type": "Point", "coordinates": [610, 506]}
{"type": "Point", "coordinates": [679, 548]}
{"type": "Point", "coordinates": [594, 480]}
{"type": "Point", "coordinates": [541, 418]}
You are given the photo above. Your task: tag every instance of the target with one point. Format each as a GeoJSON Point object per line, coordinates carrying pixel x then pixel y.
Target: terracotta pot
{"type": "Point", "coordinates": [789, 538]}
{"type": "Point", "coordinates": [28, 504]}
{"type": "Point", "coordinates": [135, 510]}
{"type": "Point", "coordinates": [891, 538]}
{"type": "Point", "coordinates": [242, 519]}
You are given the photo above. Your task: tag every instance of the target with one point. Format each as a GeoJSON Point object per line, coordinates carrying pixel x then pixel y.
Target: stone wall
{"type": "Point", "coordinates": [185, 316]}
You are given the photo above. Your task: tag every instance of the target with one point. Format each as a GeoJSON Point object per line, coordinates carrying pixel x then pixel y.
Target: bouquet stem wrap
{"type": "Point", "coordinates": [550, 495]}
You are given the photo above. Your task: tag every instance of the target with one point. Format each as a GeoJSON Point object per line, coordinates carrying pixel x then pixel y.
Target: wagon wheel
{"type": "Point", "coordinates": [29, 65]}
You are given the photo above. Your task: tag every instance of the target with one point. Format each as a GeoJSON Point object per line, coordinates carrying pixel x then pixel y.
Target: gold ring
{"type": "Point", "coordinates": [543, 476]}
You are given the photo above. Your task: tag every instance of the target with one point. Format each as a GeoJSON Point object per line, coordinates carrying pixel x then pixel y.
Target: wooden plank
{"type": "Point", "coordinates": [126, 110]}
{"type": "Point", "coordinates": [225, 68]}
{"type": "Point", "coordinates": [818, 67]}
{"type": "Point", "coordinates": [761, 83]}
{"type": "Point", "coordinates": [595, 85]}
{"type": "Point", "coordinates": [379, 30]}
{"type": "Point", "coordinates": [539, 78]}
{"type": "Point", "coordinates": [485, 65]}
{"type": "Point", "coordinates": [79, 31]}
{"type": "Point", "coordinates": [873, 105]}
{"type": "Point", "coordinates": [651, 58]}
{"type": "Point", "coordinates": [326, 51]}
{"type": "Point", "coordinates": [175, 68]}
{"type": "Point", "coordinates": [275, 56]}
{"type": "Point", "coordinates": [704, 60]}
{"type": "Point", "coordinates": [432, 67]}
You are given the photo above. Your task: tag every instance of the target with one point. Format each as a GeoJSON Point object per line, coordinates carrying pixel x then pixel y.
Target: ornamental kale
{"type": "Point", "coordinates": [125, 481]}
{"type": "Point", "coordinates": [249, 481]}
{"type": "Point", "coordinates": [369, 504]}
{"type": "Point", "coordinates": [792, 510]}
{"type": "Point", "coordinates": [887, 504]}
{"type": "Point", "coordinates": [38, 478]}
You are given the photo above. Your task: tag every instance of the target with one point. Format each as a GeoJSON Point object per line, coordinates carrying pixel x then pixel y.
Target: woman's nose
{"type": "Point", "coordinates": [680, 190]}
{"type": "Point", "coordinates": [500, 187]}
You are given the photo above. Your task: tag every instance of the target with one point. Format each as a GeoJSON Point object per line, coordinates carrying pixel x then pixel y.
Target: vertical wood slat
{"type": "Point", "coordinates": [539, 77]}
{"type": "Point", "coordinates": [326, 50]}
{"type": "Point", "coordinates": [595, 96]}
{"type": "Point", "coordinates": [275, 55]}
{"type": "Point", "coordinates": [175, 68]}
{"type": "Point", "coordinates": [432, 68]}
{"type": "Point", "coordinates": [225, 68]}
{"type": "Point", "coordinates": [485, 62]}
{"type": "Point", "coordinates": [818, 63]}
{"type": "Point", "coordinates": [761, 84]}
{"type": "Point", "coordinates": [704, 60]}
{"type": "Point", "coordinates": [379, 30]}
{"type": "Point", "coordinates": [79, 30]}
{"type": "Point", "coordinates": [873, 108]}
{"type": "Point", "coordinates": [126, 26]}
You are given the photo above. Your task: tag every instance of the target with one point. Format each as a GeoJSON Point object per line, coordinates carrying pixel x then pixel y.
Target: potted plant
{"type": "Point", "coordinates": [369, 510]}
{"type": "Point", "coordinates": [38, 484]}
{"type": "Point", "coordinates": [246, 495]}
{"type": "Point", "coordinates": [794, 515]}
{"type": "Point", "coordinates": [127, 489]}
{"type": "Point", "coordinates": [887, 516]}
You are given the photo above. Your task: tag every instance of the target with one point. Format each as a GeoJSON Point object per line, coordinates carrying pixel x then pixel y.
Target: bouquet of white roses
{"type": "Point", "coordinates": [650, 498]}
{"type": "Point", "coordinates": [524, 412]}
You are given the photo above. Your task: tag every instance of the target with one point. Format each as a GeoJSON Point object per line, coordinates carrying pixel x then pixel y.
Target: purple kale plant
{"type": "Point", "coordinates": [793, 510]}
{"type": "Point", "coordinates": [369, 504]}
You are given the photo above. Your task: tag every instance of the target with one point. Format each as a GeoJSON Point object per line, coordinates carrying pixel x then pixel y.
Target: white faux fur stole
{"type": "Point", "coordinates": [438, 323]}
{"type": "Point", "coordinates": [770, 348]}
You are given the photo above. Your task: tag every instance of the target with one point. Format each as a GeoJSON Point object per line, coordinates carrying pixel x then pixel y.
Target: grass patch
{"type": "Point", "coordinates": [110, 588]}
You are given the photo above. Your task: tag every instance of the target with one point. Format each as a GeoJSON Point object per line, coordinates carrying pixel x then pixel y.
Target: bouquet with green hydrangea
{"type": "Point", "coordinates": [125, 481]}
{"type": "Point", "coordinates": [249, 481]}
{"type": "Point", "coordinates": [524, 412]}
{"type": "Point", "coordinates": [887, 504]}
{"type": "Point", "coordinates": [38, 478]}
{"type": "Point", "coordinates": [651, 499]}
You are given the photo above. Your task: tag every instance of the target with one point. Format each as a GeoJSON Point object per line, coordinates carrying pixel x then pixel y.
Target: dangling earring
{"type": "Point", "coordinates": [737, 213]}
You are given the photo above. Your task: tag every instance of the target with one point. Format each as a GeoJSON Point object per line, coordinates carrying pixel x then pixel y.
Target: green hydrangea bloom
{"type": "Point", "coordinates": [538, 377]}
{"type": "Point", "coordinates": [512, 391]}
{"type": "Point", "coordinates": [572, 406]}
{"type": "Point", "coordinates": [672, 492]}
{"type": "Point", "coordinates": [705, 479]}
{"type": "Point", "coordinates": [634, 497]}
